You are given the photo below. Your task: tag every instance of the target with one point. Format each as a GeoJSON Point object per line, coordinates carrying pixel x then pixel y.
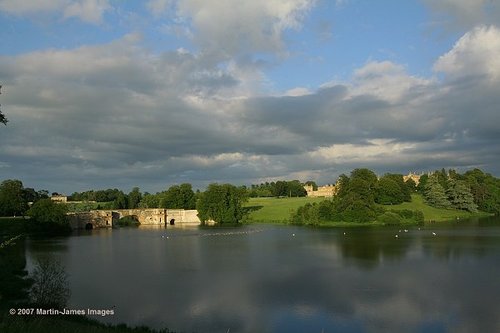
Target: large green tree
{"type": "Point", "coordinates": [221, 203]}
{"type": "Point", "coordinates": [121, 201]}
{"type": "Point", "coordinates": [178, 197]}
{"type": "Point", "coordinates": [134, 197]}
{"type": "Point", "coordinates": [48, 211]}
{"type": "Point", "coordinates": [422, 182]}
{"type": "Point", "coordinates": [12, 198]}
{"type": "Point", "coordinates": [434, 193]}
{"type": "Point", "coordinates": [356, 196]}
{"type": "Point", "coordinates": [388, 192]}
{"type": "Point", "coordinates": [49, 216]}
{"type": "Point", "coordinates": [485, 189]}
{"type": "Point", "coordinates": [150, 201]}
{"type": "Point", "coordinates": [460, 196]}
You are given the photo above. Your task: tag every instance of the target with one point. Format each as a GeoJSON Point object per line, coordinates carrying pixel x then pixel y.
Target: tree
{"type": "Point", "coordinates": [150, 201]}
{"type": "Point", "coordinates": [296, 189]}
{"type": "Point", "coordinates": [342, 185]}
{"type": "Point", "coordinates": [48, 213]}
{"type": "Point", "coordinates": [435, 194]}
{"type": "Point", "coordinates": [14, 286]}
{"type": "Point", "coordinates": [50, 284]}
{"type": "Point", "coordinates": [485, 189]}
{"type": "Point", "coordinates": [187, 196]}
{"type": "Point", "coordinates": [221, 203]}
{"type": "Point", "coordinates": [280, 189]}
{"type": "Point", "coordinates": [356, 196]}
{"type": "Point", "coordinates": [399, 180]}
{"type": "Point", "coordinates": [411, 186]}
{"type": "Point", "coordinates": [121, 201]}
{"type": "Point", "coordinates": [442, 177]}
{"type": "Point", "coordinates": [422, 182]}
{"type": "Point", "coordinates": [460, 195]}
{"type": "Point", "coordinates": [313, 184]}
{"type": "Point", "coordinates": [178, 197]}
{"type": "Point", "coordinates": [367, 175]}
{"type": "Point", "coordinates": [388, 192]}
{"type": "Point", "coordinates": [30, 195]}
{"type": "Point", "coordinates": [134, 197]}
{"type": "Point", "coordinates": [12, 198]}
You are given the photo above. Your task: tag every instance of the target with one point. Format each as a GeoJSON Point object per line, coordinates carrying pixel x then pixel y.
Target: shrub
{"type": "Point", "coordinates": [390, 218]}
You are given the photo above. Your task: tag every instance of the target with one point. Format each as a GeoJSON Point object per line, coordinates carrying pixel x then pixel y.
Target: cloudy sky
{"type": "Point", "coordinates": [104, 93]}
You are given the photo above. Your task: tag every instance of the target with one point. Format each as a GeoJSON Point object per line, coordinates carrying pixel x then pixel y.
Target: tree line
{"type": "Point", "coordinates": [221, 203]}
{"type": "Point", "coordinates": [356, 201]}
{"type": "Point", "coordinates": [280, 188]}
{"type": "Point", "coordinates": [362, 197]}
{"type": "Point", "coordinates": [473, 190]}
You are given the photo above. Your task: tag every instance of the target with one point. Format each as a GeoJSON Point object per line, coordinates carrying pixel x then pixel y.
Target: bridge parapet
{"type": "Point", "coordinates": [146, 216]}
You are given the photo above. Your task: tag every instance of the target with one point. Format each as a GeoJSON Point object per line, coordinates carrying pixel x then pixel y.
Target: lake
{"type": "Point", "coordinates": [271, 278]}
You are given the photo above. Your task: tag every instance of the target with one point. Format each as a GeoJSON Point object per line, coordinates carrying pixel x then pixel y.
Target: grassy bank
{"type": "Point", "coordinates": [275, 210]}
{"type": "Point", "coordinates": [278, 210]}
{"type": "Point", "coordinates": [432, 213]}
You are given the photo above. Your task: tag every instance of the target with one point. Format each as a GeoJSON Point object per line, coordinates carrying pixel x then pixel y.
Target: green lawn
{"type": "Point", "coordinates": [275, 209]}
{"type": "Point", "coordinates": [279, 209]}
{"type": "Point", "coordinates": [432, 213]}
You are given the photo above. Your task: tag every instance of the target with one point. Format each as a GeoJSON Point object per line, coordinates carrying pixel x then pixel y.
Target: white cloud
{"type": "Point", "coordinates": [376, 149]}
{"type": "Point", "coordinates": [386, 80]}
{"type": "Point", "coordinates": [476, 53]}
{"type": "Point", "coordinates": [298, 91]}
{"type": "Point", "coordinates": [90, 11]}
{"type": "Point", "coordinates": [228, 28]}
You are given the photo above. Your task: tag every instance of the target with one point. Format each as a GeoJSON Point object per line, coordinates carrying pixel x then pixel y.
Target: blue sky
{"type": "Point", "coordinates": [333, 39]}
{"type": "Point", "coordinates": [103, 93]}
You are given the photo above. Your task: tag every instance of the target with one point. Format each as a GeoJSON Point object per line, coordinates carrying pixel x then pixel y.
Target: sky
{"type": "Point", "coordinates": [115, 94]}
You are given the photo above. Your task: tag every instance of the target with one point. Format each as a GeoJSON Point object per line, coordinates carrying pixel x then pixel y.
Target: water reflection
{"type": "Point", "coordinates": [368, 248]}
{"type": "Point", "coordinates": [287, 279]}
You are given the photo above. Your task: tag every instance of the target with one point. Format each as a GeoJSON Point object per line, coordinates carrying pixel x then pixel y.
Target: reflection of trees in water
{"type": "Point", "coordinates": [13, 283]}
{"type": "Point", "coordinates": [50, 284]}
{"type": "Point", "coordinates": [367, 248]}
{"type": "Point", "coordinates": [46, 286]}
{"type": "Point", "coordinates": [454, 245]}
{"type": "Point", "coordinates": [474, 237]}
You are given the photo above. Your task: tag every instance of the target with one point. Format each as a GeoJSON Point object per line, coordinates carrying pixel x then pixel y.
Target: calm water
{"type": "Point", "coordinates": [262, 278]}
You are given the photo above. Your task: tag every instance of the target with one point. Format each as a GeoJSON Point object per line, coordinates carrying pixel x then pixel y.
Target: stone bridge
{"type": "Point", "coordinates": [145, 216]}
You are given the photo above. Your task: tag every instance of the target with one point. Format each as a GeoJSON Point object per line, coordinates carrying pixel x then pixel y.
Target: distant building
{"type": "Point", "coordinates": [59, 198]}
{"type": "Point", "coordinates": [413, 176]}
{"type": "Point", "coordinates": [326, 191]}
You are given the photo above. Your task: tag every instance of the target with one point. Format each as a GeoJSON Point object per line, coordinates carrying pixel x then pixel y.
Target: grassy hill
{"type": "Point", "coordinates": [278, 210]}
{"type": "Point", "coordinates": [275, 209]}
{"type": "Point", "coordinates": [432, 213]}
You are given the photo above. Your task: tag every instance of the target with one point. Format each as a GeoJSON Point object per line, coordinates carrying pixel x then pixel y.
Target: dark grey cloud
{"type": "Point", "coordinates": [116, 115]}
